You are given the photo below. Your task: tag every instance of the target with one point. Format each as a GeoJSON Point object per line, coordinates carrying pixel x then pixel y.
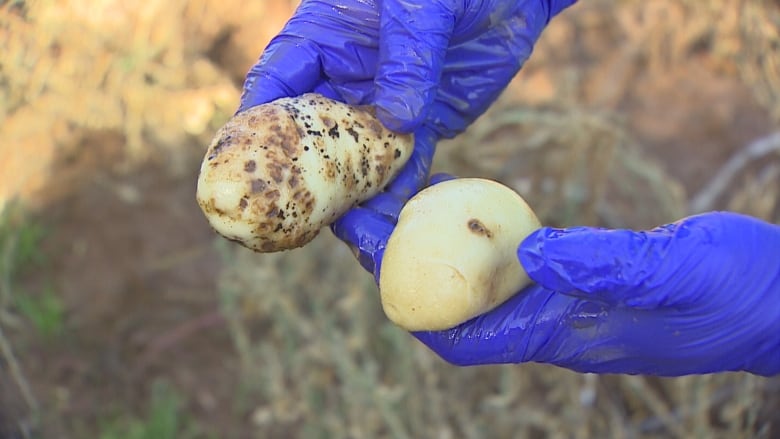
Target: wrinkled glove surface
{"type": "Point", "coordinates": [438, 63]}
{"type": "Point", "coordinates": [697, 296]}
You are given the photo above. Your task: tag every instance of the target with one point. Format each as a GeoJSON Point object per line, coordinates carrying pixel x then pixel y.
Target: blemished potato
{"type": "Point", "coordinates": [276, 173]}
{"type": "Point", "coordinates": [452, 255]}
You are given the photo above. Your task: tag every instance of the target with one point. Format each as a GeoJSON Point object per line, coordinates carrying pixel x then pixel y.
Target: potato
{"type": "Point", "coordinates": [275, 174]}
{"type": "Point", "coordinates": [452, 255]}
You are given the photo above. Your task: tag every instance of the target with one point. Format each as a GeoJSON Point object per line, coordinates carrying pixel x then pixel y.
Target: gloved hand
{"type": "Point", "coordinates": [697, 296]}
{"type": "Point", "coordinates": [429, 67]}
{"type": "Point", "coordinates": [439, 64]}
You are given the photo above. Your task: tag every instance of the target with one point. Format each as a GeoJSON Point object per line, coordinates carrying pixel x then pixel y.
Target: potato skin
{"type": "Point", "coordinates": [276, 173]}
{"type": "Point", "coordinates": [452, 255]}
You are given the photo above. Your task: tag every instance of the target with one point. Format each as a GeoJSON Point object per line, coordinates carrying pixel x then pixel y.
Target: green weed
{"type": "Point", "coordinates": [20, 241]}
{"type": "Point", "coordinates": [46, 312]}
{"type": "Point", "coordinates": [164, 419]}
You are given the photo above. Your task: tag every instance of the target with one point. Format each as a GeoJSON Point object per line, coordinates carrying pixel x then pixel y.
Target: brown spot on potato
{"type": "Point", "coordinates": [258, 186]}
{"type": "Point", "coordinates": [268, 246]}
{"type": "Point", "coordinates": [250, 166]}
{"type": "Point", "coordinates": [275, 170]}
{"type": "Point", "coordinates": [330, 171]}
{"type": "Point", "coordinates": [351, 131]}
{"type": "Point", "coordinates": [328, 121]}
{"type": "Point", "coordinates": [376, 128]}
{"type": "Point", "coordinates": [476, 227]}
{"type": "Point", "coordinates": [223, 141]}
{"type": "Point", "coordinates": [380, 169]}
{"type": "Point", "coordinates": [334, 132]}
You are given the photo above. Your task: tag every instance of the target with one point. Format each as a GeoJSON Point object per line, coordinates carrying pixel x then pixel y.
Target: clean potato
{"type": "Point", "coordinates": [276, 173]}
{"type": "Point", "coordinates": [452, 255]}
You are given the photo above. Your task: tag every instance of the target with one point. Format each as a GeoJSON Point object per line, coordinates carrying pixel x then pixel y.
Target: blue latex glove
{"type": "Point", "coordinates": [438, 63]}
{"type": "Point", "coordinates": [698, 296]}
{"type": "Point", "coordinates": [429, 67]}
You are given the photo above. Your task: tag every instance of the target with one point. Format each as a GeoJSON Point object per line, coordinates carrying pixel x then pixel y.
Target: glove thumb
{"type": "Point", "coordinates": [413, 42]}
{"type": "Point", "coordinates": [672, 265]}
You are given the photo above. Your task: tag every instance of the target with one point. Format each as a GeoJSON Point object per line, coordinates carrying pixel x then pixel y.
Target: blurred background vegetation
{"type": "Point", "coordinates": [123, 316]}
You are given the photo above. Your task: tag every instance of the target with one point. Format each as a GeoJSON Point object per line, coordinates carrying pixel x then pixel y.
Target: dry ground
{"type": "Point", "coordinates": [623, 117]}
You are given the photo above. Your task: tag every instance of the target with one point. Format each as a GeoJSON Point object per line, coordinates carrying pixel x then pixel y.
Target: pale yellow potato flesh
{"type": "Point", "coordinates": [452, 255]}
{"type": "Point", "coordinates": [277, 173]}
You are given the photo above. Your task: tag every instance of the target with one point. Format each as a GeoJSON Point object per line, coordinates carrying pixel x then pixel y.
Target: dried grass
{"type": "Point", "coordinates": [739, 35]}
{"type": "Point", "coordinates": [574, 166]}
{"type": "Point", "coordinates": [76, 66]}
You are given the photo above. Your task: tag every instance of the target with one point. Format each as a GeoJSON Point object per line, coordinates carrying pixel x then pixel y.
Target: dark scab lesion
{"type": "Point", "coordinates": [328, 122]}
{"type": "Point", "coordinates": [220, 145]}
{"type": "Point", "coordinates": [351, 131]}
{"type": "Point", "coordinates": [243, 203]}
{"type": "Point", "coordinates": [288, 145]}
{"type": "Point", "coordinates": [276, 171]}
{"type": "Point", "coordinates": [267, 246]}
{"type": "Point", "coordinates": [250, 166]}
{"type": "Point", "coordinates": [258, 186]}
{"type": "Point", "coordinates": [365, 167]}
{"type": "Point", "coordinates": [334, 131]}
{"type": "Point", "coordinates": [476, 227]}
{"type": "Point", "coordinates": [380, 170]}
{"type": "Point", "coordinates": [376, 128]}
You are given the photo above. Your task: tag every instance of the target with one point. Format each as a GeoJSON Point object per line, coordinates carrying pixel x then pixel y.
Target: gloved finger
{"type": "Point", "coordinates": [498, 54]}
{"type": "Point", "coordinates": [325, 88]}
{"type": "Point", "coordinates": [358, 92]}
{"type": "Point", "coordinates": [414, 174]}
{"type": "Point", "coordinates": [513, 332]}
{"type": "Point", "coordinates": [365, 231]}
{"type": "Point", "coordinates": [413, 41]}
{"type": "Point", "coordinates": [671, 265]}
{"type": "Point", "coordinates": [540, 325]}
{"type": "Point", "coordinates": [617, 266]}
{"type": "Point", "coordinates": [556, 6]}
{"type": "Point", "coordinates": [289, 66]}
{"type": "Point", "coordinates": [386, 204]}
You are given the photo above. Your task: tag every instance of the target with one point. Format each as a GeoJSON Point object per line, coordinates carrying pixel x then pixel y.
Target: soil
{"type": "Point", "coordinates": [132, 257]}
